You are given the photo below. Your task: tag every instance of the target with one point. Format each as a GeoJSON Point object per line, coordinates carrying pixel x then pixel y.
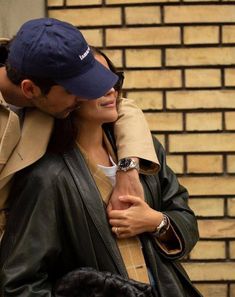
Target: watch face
{"type": "Point", "coordinates": [125, 163]}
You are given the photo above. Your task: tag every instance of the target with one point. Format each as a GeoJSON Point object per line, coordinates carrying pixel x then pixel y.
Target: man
{"type": "Point", "coordinates": [50, 68]}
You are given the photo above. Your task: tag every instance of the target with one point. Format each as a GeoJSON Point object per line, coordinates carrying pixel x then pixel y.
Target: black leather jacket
{"type": "Point", "coordinates": [58, 223]}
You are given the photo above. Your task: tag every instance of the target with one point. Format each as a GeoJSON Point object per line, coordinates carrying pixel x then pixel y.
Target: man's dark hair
{"type": "Point", "coordinates": [3, 51]}
{"type": "Point", "coordinates": [16, 78]}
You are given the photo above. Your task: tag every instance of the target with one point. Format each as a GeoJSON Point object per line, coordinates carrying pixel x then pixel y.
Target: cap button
{"type": "Point", "coordinates": [48, 23]}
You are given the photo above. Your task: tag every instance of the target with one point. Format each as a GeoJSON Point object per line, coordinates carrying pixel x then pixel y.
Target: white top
{"type": "Point", "coordinates": [110, 171]}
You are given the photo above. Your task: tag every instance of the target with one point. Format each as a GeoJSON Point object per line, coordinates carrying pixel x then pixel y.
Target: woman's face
{"type": "Point", "coordinates": [101, 110]}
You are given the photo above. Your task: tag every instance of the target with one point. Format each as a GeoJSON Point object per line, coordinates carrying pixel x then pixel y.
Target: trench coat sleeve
{"type": "Point", "coordinates": [174, 204]}
{"type": "Point", "coordinates": [33, 231]}
{"type": "Point", "coordinates": [133, 137]}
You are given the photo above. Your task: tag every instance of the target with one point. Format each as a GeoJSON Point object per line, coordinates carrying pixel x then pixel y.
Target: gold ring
{"type": "Point", "coordinates": [116, 230]}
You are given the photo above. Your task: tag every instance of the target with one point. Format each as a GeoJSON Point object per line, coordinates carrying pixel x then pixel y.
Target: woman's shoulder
{"type": "Point", "coordinates": [49, 167]}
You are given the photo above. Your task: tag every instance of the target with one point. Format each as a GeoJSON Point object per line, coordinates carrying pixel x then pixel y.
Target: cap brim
{"type": "Point", "coordinates": [92, 84]}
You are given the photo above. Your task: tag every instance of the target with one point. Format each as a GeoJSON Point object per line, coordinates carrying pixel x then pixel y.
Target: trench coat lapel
{"type": "Point", "coordinates": [93, 203]}
{"type": "Point", "coordinates": [36, 131]}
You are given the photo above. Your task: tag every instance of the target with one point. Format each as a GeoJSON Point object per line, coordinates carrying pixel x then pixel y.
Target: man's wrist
{"type": "Point", "coordinates": [127, 164]}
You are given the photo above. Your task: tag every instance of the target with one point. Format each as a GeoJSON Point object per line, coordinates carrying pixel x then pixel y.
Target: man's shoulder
{"type": "Point", "coordinates": [3, 104]}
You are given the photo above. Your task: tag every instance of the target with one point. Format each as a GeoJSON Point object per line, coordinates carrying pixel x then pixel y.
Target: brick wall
{"type": "Point", "coordinates": [179, 59]}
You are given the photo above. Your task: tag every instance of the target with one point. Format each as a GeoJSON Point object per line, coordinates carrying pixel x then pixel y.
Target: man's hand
{"type": "Point", "coordinates": [127, 183]}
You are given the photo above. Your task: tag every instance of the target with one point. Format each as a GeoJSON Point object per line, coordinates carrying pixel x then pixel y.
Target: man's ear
{"type": "Point", "coordinates": [29, 89]}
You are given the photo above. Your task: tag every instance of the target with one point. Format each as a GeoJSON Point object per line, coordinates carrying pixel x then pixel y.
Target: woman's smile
{"type": "Point", "coordinates": [110, 103]}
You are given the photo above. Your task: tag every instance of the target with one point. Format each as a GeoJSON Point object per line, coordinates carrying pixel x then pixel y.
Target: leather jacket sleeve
{"type": "Point", "coordinates": [174, 203]}
{"type": "Point", "coordinates": [32, 231]}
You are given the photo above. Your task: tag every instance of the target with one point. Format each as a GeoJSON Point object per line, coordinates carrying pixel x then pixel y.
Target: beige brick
{"type": "Point", "coordinates": [230, 77]}
{"type": "Point", "coordinates": [217, 228]}
{"type": "Point", "coordinates": [152, 79]}
{"type": "Point", "coordinates": [115, 56]}
{"type": "Point", "coordinates": [230, 120]}
{"type": "Point", "coordinates": [165, 121]}
{"type": "Point", "coordinates": [143, 15]}
{"type": "Point", "coordinates": [214, 271]}
{"type": "Point", "coordinates": [231, 206]}
{"type": "Point", "coordinates": [202, 78]}
{"type": "Point", "coordinates": [161, 138]}
{"type": "Point", "coordinates": [137, 1]}
{"type": "Point", "coordinates": [208, 250]}
{"type": "Point", "coordinates": [232, 249]}
{"type": "Point", "coordinates": [93, 37]}
{"type": "Point", "coordinates": [201, 34]}
{"type": "Point", "coordinates": [200, 99]}
{"type": "Point", "coordinates": [83, 2]}
{"type": "Point", "coordinates": [231, 163]}
{"type": "Point", "coordinates": [204, 164]}
{"type": "Point", "coordinates": [204, 121]}
{"type": "Point", "coordinates": [176, 163]}
{"type": "Point", "coordinates": [228, 34]}
{"type": "Point", "coordinates": [232, 290]}
{"type": "Point", "coordinates": [199, 14]}
{"type": "Point", "coordinates": [215, 290]}
{"type": "Point", "coordinates": [89, 16]}
{"type": "Point", "coordinates": [55, 3]}
{"type": "Point", "coordinates": [202, 142]}
{"type": "Point", "coordinates": [214, 185]}
{"type": "Point", "coordinates": [207, 207]}
{"type": "Point", "coordinates": [147, 100]}
{"type": "Point", "coordinates": [200, 56]}
{"type": "Point", "coordinates": [143, 58]}
{"type": "Point", "coordinates": [143, 36]}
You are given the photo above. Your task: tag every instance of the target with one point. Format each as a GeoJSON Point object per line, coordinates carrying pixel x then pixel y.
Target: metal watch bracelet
{"type": "Point", "coordinates": [162, 228]}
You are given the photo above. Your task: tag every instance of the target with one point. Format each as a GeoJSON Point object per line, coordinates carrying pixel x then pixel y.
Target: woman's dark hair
{"type": "Point", "coordinates": [63, 135]}
{"type": "Point", "coordinates": [65, 130]}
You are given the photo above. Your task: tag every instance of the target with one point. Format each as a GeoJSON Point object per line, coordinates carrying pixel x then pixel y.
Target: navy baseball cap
{"type": "Point", "coordinates": [49, 48]}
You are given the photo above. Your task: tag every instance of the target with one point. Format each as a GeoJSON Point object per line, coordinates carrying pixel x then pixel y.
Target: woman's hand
{"type": "Point", "coordinates": [136, 219]}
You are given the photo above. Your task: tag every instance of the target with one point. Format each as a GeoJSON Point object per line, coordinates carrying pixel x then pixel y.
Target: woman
{"type": "Point", "coordinates": [64, 224]}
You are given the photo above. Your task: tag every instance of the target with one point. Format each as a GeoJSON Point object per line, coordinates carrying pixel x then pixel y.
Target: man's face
{"type": "Point", "coordinates": [58, 102]}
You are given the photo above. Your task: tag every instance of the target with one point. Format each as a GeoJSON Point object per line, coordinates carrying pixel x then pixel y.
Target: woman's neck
{"type": "Point", "coordinates": [91, 140]}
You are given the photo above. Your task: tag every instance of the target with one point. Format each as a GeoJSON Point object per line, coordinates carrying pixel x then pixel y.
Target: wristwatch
{"type": "Point", "coordinates": [126, 164]}
{"type": "Point", "coordinates": [162, 227]}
